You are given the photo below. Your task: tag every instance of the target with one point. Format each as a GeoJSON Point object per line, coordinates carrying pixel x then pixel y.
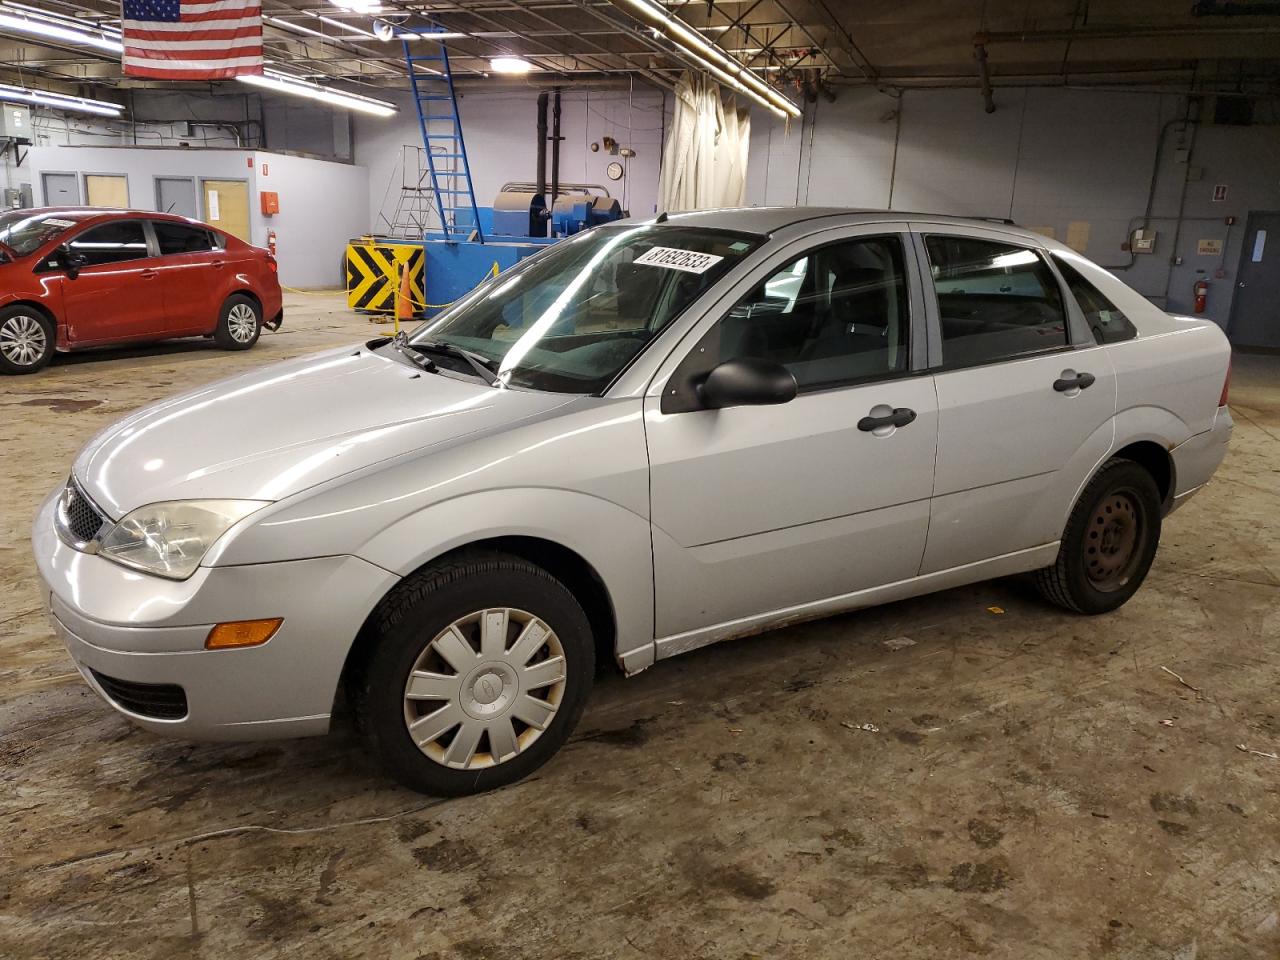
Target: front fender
{"type": "Point", "coordinates": [612, 539]}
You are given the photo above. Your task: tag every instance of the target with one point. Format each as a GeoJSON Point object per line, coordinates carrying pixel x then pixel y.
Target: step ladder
{"type": "Point", "coordinates": [437, 105]}
{"type": "Point", "coordinates": [415, 206]}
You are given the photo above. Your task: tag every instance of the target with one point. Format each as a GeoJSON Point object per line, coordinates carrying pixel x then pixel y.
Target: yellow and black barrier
{"type": "Point", "coordinates": [374, 266]}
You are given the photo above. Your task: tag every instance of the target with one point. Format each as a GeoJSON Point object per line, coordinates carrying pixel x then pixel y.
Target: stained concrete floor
{"type": "Point", "coordinates": [1038, 786]}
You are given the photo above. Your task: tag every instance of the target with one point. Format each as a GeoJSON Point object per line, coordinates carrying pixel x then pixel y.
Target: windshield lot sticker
{"type": "Point", "coordinates": [50, 221]}
{"type": "Point", "coordinates": [690, 261]}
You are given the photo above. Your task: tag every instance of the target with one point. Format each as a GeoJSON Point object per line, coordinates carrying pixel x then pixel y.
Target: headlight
{"type": "Point", "coordinates": [170, 539]}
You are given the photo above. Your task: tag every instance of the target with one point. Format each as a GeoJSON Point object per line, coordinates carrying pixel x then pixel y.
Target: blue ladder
{"type": "Point", "coordinates": [437, 105]}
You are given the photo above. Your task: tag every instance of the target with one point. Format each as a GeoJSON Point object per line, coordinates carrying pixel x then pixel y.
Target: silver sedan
{"type": "Point", "coordinates": [653, 436]}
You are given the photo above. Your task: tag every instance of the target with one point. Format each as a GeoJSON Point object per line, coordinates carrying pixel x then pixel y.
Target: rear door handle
{"type": "Point", "coordinates": [218, 263]}
{"type": "Point", "coordinates": [900, 417]}
{"type": "Point", "coordinates": [1081, 381]}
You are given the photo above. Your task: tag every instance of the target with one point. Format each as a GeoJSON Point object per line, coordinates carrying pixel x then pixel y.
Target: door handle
{"type": "Point", "coordinates": [218, 263]}
{"type": "Point", "coordinates": [900, 417]}
{"type": "Point", "coordinates": [149, 274]}
{"type": "Point", "coordinates": [1081, 381]}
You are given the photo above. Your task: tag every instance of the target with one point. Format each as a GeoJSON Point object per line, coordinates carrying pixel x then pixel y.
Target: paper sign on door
{"type": "Point", "coordinates": [212, 204]}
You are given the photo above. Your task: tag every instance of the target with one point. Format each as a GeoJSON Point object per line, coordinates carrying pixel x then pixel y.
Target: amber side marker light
{"type": "Point", "coordinates": [242, 633]}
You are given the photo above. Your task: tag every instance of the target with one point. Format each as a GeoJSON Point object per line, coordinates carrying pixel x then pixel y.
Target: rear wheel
{"type": "Point", "coordinates": [26, 340]}
{"type": "Point", "coordinates": [1109, 543]}
{"type": "Point", "coordinates": [239, 324]}
{"type": "Point", "coordinates": [480, 669]}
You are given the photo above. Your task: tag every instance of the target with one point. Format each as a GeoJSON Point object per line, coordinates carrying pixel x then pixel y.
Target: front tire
{"type": "Point", "coordinates": [26, 340]}
{"type": "Point", "coordinates": [239, 323]}
{"type": "Point", "coordinates": [1109, 543]}
{"type": "Point", "coordinates": [479, 671]}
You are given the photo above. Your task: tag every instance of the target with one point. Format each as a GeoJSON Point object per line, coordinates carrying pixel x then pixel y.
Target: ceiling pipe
{"type": "Point", "coordinates": [984, 75]}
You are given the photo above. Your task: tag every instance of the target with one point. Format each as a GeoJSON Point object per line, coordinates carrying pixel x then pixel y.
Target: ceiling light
{"type": "Point", "coordinates": [62, 101]}
{"type": "Point", "coordinates": [344, 26]}
{"type": "Point", "coordinates": [44, 27]}
{"type": "Point", "coordinates": [358, 6]}
{"type": "Point", "coordinates": [723, 67]}
{"type": "Point", "coordinates": [514, 65]}
{"type": "Point", "coordinates": [432, 35]}
{"type": "Point", "coordinates": [283, 83]}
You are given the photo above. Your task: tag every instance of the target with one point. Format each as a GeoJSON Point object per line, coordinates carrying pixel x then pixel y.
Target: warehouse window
{"type": "Point", "coordinates": [996, 300]}
{"type": "Point", "coordinates": [1108, 323]}
{"type": "Point", "coordinates": [181, 238]}
{"type": "Point", "coordinates": [836, 315]}
{"type": "Point", "coordinates": [111, 243]}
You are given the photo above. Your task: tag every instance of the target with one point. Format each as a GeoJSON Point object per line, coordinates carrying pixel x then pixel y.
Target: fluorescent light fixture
{"type": "Point", "coordinates": [47, 29]}
{"type": "Point", "coordinates": [442, 35]}
{"type": "Point", "coordinates": [62, 101]}
{"type": "Point", "coordinates": [345, 26]}
{"type": "Point", "coordinates": [290, 25]}
{"type": "Point", "coordinates": [514, 65]}
{"type": "Point", "coordinates": [283, 83]}
{"type": "Point", "coordinates": [724, 68]}
{"type": "Point", "coordinates": [358, 6]}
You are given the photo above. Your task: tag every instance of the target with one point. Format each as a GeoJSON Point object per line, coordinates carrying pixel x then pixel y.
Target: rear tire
{"type": "Point", "coordinates": [239, 323]}
{"type": "Point", "coordinates": [479, 670]}
{"type": "Point", "coordinates": [26, 340]}
{"type": "Point", "coordinates": [1109, 543]}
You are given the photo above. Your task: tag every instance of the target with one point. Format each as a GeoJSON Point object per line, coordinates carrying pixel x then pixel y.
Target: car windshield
{"type": "Point", "coordinates": [24, 233]}
{"type": "Point", "coordinates": [573, 317]}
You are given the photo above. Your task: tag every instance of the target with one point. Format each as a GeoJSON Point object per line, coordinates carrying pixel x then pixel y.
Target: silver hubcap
{"type": "Point", "coordinates": [23, 340]}
{"type": "Point", "coordinates": [485, 688]}
{"type": "Point", "coordinates": [242, 323]}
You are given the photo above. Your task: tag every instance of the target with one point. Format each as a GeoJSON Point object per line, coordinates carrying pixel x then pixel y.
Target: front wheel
{"type": "Point", "coordinates": [26, 340]}
{"type": "Point", "coordinates": [239, 323]}
{"type": "Point", "coordinates": [1109, 543]}
{"type": "Point", "coordinates": [479, 671]}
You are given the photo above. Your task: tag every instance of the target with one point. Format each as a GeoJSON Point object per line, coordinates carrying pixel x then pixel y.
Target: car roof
{"type": "Point", "coordinates": [80, 214]}
{"type": "Point", "coordinates": [766, 220]}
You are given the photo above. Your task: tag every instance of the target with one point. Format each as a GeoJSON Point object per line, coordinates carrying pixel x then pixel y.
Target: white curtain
{"type": "Point", "coordinates": [704, 162]}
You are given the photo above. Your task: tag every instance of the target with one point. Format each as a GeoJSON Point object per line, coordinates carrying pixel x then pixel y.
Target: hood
{"type": "Point", "coordinates": [268, 434]}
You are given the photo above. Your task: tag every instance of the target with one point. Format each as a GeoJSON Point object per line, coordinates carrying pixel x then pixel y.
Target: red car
{"type": "Point", "coordinates": [85, 277]}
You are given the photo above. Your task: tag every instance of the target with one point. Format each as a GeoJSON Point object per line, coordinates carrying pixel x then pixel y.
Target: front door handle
{"type": "Point", "coordinates": [1081, 381]}
{"type": "Point", "coordinates": [149, 274]}
{"type": "Point", "coordinates": [900, 417]}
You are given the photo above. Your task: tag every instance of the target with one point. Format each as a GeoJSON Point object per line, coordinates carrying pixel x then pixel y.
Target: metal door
{"type": "Point", "coordinates": [61, 189]}
{"type": "Point", "coordinates": [177, 195]}
{"type": "Point", "coordinates": [1255, 309]}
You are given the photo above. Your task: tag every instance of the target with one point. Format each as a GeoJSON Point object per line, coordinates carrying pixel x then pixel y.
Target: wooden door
{"type": "Point", "coordinates": [226, 206]}
{"type": "Point", "coordinates": [107, 190]}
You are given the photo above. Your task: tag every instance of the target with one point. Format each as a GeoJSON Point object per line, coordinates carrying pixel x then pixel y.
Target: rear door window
{"type": "Point", "coordinates": [996, 300]}
{"type": "Point", "coordinates": [112, 242]}
{"type": "Point", "coordinates": [1108, 323]}
{"type": "Point", "coordinates": [181, 238]}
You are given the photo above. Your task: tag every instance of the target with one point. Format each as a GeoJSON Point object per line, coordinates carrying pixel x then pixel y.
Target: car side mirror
{"type": "Point", "coordinates": [749, 381]}
{"type": "Point", "coordinates": [70, 260]}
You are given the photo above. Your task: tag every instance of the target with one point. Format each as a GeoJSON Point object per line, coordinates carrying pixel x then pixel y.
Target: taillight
{"type": "Point", "coordinates": [271, 262]}
{"type": "Point", "coordinates": [1226, 385]}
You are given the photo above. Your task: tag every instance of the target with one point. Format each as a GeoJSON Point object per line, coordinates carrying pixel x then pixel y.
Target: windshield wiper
{"type": "Point", "coordinates": [483, 366]}
{"type": "Point", "coordinates": [401, 342]}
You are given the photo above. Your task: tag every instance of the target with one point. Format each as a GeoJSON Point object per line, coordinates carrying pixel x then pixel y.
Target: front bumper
{"type": "Point", "coordinates": [1196, 459]}
{"type": "Point", "coordinates": [122, 625]}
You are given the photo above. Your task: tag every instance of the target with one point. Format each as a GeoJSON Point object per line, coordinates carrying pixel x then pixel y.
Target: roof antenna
{"type": "Point", "coordinates": [661, 218]}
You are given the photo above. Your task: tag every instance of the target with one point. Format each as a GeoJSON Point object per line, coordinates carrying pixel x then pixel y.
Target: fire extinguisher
{"type": "Point", "coordinates": [271, 242]}
{"type": "Point", "coordinates": [1201, 290]}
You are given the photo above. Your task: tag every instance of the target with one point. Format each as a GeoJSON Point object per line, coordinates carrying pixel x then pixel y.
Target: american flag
{"type": "Point", "coordinates": [192, 39]}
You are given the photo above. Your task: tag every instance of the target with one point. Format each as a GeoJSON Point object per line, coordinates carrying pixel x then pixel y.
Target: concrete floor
{"type": "Point", "coordinates": [1038, 786]}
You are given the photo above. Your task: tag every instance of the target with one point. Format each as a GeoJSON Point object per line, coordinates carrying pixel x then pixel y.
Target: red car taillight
{"type": "Point", "coordinates": [271, 262]}
{"type": "Point", "coordinates": [1226, 386]}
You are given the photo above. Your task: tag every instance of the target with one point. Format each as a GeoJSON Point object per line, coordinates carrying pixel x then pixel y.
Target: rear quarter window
{"type": "Point", "coordinates": [1106, 321]}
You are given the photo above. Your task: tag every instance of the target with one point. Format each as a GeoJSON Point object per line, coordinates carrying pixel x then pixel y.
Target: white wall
{"type": "Point", "coordinates": [1047, 158]}
{"type": "Point", "coordinates": [500, 130]}
{"type": "Point", "coordinates": [322, 203]}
